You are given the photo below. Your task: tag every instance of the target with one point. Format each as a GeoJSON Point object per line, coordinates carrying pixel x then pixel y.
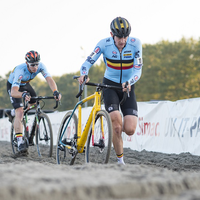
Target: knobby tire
{"type": "Point", "coordinates": [64, 154]}
{"type": "Point", "coordinates": [44, 136]}
{"type": "Point", "coordinates": [97, 154]}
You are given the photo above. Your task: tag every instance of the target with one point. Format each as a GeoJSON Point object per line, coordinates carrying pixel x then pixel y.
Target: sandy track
{"type": "Point", "coordinates": [146, 175]}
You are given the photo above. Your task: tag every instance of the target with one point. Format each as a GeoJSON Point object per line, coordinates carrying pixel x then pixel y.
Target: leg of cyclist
{"type": "Point", "coordinates": [32, 92]}
{"type": "Point", "coordinates": [129, 110]}
{"type": "Point", "coordinates": [130, 124]}
{"type": "Point", "coordinates": [111, 101]}
{"type": "Point", "coordinates": [22, 146]}
{"type": "Point", "coordinates": [117, 138]}
{"type": "Point", "coordinates": [129, 127]}
{"type": "Point", "coordinates": [18, 106]}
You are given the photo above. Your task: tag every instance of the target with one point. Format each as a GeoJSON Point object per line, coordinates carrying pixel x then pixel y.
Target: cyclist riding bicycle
{"type": "Point", "coordinates": [123, 58]}
{"type": "Point", "coordinates": [18, 87]}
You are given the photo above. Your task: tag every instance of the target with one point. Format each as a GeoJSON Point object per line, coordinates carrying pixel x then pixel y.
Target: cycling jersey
{"type": "Point", "coordinates": [21, 75]}
{"type": "Point", "coordinates": [120, 67]}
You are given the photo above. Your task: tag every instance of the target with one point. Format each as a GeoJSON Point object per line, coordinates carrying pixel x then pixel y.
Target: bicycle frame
{"type": "Point", "coordinates": [26, 117]}
{"type": "Point", "coordinates": [38, 110]}
{"type": "Point", "coordinates": [82, 136]}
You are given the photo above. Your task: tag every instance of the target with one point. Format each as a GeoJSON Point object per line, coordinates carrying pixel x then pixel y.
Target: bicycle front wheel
{"type": "Point", "coordinates": [98, 145]}
{"type": "Point", "coordinates": [44, 136]}
{"type": "Point", "coordinates": [66, 140]}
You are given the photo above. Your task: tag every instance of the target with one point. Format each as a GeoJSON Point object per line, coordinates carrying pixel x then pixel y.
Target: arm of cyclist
{"type": "Point", "coordinates": [17, 94]}
{"type": "Point", "coordinates": [91, 59]}
{"type": "Point", "coordinates": [138, 63]}
{"type": "Point", "coordinates": [53, 86]}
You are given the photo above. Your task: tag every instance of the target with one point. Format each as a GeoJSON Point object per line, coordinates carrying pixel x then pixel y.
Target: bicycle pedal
{"type": "Point", "coordinates": [101, 145]}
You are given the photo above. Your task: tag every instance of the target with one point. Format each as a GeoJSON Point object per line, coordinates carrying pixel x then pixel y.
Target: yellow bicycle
{"type": "Point", "coordinates": [97, 133]}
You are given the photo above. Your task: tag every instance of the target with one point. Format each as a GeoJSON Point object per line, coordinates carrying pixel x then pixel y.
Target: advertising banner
{"type": "Point", "coordinates": [163, 126]}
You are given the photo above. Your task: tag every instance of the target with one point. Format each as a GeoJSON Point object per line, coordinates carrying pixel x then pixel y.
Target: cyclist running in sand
{"type": "Point", "coordinates": [123, 58]}
{"type": "Point", "coordinates": [18, 87]}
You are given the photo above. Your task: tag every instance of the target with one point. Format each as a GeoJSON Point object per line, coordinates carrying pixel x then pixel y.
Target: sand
{"type": "Point", "coordinates": [146, 175]}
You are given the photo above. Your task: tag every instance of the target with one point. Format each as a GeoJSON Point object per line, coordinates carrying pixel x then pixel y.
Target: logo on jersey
{"type": "Point", "coordinates": [136, 77]}
{"type": "Point", "coordinates": [90, 60]}
{"type": "Point", "coordinates": [128, 55]}
{"type": "Point", "coordinates": [97, 50]}
{"type": "Point", "coordinates": [43, 73]}
{"type": "Point", "coordinates": [92, 54]}
{"type": "Point", "coordinates": [19, 78]}
{"type": "Point", "coordinates": [114, 54]}
{"type": "Point", "coordinates": [137, 66]}
{"type": "Point", "coordinates": [84, 70]}
{"type": "Point", "coordinates": [138, 63]}
{"type": "Point", "coordinates": [132, 40]}
{"type": "Point", "coordinates": [137, 54]}
{"type": "Point", "coordinates": [127, 51]}
{"type": "Point", "coordinates": [132, 81]}
{"type": "Point", "coordinates": [108, 40]}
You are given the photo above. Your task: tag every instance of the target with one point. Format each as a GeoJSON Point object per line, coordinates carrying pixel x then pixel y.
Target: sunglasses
{"type": "Point", "coordinates": [34, 64]}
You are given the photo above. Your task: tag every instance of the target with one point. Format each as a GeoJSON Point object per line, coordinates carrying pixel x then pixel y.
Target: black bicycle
{"type": "Point", "coordinates": [41, 128]}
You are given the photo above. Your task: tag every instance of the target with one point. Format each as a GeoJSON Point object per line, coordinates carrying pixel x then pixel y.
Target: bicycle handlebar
{"type": "Point", "coordinates": [101, 85]}
{"type": "Point", "coordinates": [38, 99]}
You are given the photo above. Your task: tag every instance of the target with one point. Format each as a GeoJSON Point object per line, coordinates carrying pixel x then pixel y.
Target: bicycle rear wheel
{"type": "Point", "coordinates": [44, 136]}
{"type": "Point", "coordinates": [68, 127]}
{"type": "Point", "coordinates": [98, 148]}
{"type": "Point", "coordinates": [13, 138]}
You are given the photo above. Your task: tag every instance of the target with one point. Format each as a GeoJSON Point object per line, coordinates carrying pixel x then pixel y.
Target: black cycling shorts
{"type": "Point", "coordinates": [113, 97]}
{"type": "Point", "coordinates": [17, 102]}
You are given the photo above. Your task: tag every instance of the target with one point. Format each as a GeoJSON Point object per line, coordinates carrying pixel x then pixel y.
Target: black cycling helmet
{"type": "Point", "coordinates": [120, 27]}
{"type": "Point", "coordinates": [32, 56]}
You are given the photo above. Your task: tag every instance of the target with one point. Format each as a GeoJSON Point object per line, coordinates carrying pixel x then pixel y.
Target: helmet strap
{"type": "Point", "coordinates": [28, 68]}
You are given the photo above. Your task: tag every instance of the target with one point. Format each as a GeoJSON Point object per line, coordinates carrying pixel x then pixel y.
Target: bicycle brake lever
{"type": "Point", "coordinates": [76, 77]}
{"type": "Point", "coordinates": [81, 87]}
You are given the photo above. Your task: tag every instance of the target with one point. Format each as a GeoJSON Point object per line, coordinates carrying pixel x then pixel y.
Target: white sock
{"type": "Point", "coordinates": [120, 159]}
{"type": "Point", "coordinates": [19, 138]}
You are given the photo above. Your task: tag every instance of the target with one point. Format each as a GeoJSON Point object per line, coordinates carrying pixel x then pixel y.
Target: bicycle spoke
{"type": "Point", "coordinates": [99, 144]}
{"type": "Point", "coordinates": [44, 136]}
{"type": "Point", "coordinates": [66, 140]}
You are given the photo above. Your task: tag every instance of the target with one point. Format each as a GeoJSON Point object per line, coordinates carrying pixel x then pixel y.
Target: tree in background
{"type": "Point", "coordinates": [171, 71]}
